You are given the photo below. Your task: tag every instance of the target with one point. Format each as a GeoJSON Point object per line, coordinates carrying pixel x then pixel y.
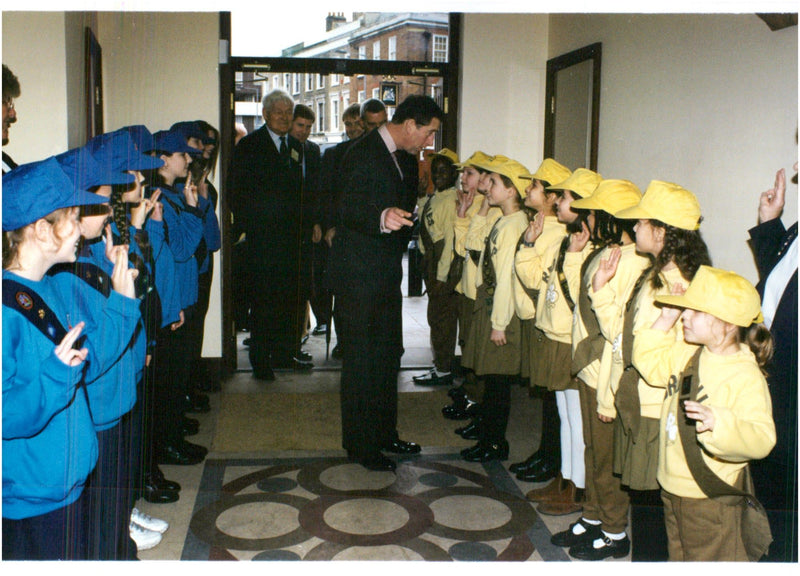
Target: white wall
{"type": "Point", "coordinates": [504, 59]}
{"type": "Point", "coordinates": [41, 127]}
{"type": "Point", "coordinates": [707, 101]}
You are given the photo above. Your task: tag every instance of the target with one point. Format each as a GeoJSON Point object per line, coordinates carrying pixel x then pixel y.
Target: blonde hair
{"type": "Point", "coordinates": [13, 239]}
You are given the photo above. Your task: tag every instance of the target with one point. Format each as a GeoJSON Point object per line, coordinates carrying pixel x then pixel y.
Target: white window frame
{"type": "Point", "coordinates": [439, 53]}
{"type": "Point", "coordinates": [392, 48]}
{"type": "Point", "coordinates": [376, 50]}
{"type": "Point", "coordinates": [362, 52]}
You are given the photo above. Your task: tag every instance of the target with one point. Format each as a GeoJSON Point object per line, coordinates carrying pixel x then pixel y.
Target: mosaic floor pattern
{"type": "Point", "coordinates": [435, 508]}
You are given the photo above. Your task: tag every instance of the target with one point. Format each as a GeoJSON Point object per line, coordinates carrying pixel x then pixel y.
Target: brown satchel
{"type": "Point", "coordinates": [756, 532]}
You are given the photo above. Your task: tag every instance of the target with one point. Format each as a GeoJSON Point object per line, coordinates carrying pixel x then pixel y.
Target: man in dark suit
{"type": "Point", "coordinates": [11, 91]}
{"type": "Point", "coordinates": [379, 176]}
{"type": "Point", "coordinates": [302, 122]}
{"type": "Point", "coordinates": [775, 477]}
{"type": "Point", "coordinates": [268, 200]}
{"type": "Point", "coordinates": [329, 192]}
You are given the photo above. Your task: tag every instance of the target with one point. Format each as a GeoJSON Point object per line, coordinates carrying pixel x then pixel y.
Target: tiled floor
{"type": "Point", "coordinates": [293, 505]}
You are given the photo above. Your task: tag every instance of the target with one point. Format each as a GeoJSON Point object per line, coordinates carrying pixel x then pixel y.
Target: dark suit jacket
{"type": "Point", "coordinates": [329, 187]}
{"type": "Point", "coordinates": [363, 260]}
{"type": "Point", "coordinates": [766, 241]}
{"type": "Point", "coordinates": [268, 201]}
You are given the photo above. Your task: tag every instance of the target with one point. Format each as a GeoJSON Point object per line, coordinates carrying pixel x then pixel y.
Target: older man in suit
{"type": "Point", "coordinates": [775, 477]}
{"type": "Point", "coordinates": [270, 203]}
{"type": "Point", "coordinates": [379, 185]}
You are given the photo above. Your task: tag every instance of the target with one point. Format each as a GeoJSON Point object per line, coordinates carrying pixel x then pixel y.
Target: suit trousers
{"type": "Point", "coordinates": [606, 501]}
{"type": "Point", "coordinates": [370, 332]}
{"type": "Point", "coordinates": [321, 299]}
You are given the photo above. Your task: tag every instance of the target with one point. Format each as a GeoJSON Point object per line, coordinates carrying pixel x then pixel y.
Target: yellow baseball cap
{"type": "Point", "coordinates": [551, 171]}
{"type": "Point", "coordinates": [582, 182]}
{"type": "Point", "coordinates": [669, 203]}
{"type": "Point", "coordinates": [720, 293]}
{"type": "Point", "coordinates": [477, 157]}
{"type": "Point", "coordinates": [447, 153]}
{"type": "Point", "coordinates": [513, 170]}
{"type": "Point", "coordinates": [611, 196]}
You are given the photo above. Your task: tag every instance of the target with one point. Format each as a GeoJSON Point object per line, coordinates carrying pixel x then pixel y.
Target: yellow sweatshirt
{"type": "Point", "coordinates": [651, 385]}
{"type": "Point", "coordinates": [735, 390]}
{"type": "Point", "coordinates": [503, 237]}
{"type": "Point", "coordinates": [608, 304]}
{"type": "Point", "coordinates": [439, 222]}
{"type": "Point", "coordinates": [470, 234]}
{"type": "Point", "coordinates": [528, 266]}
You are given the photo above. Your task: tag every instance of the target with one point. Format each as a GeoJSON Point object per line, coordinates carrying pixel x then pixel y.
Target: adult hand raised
{"type": "Point", "coordinates": [771, 202]}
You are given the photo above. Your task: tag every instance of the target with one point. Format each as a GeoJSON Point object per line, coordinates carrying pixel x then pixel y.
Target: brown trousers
{"type": "Point", "coordinates": [702, 530]}
{"type": "Point", "coordinates": [605, 499]}
{"type": "Point", "coordinates": [443, 304]}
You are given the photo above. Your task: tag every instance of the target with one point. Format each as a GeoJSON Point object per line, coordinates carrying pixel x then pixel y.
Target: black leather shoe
{"type": "Point", "coordinates": [152, 493]}
{"type": "Point", "coordinates": [398, 446]}
{"type": "Point", "coordinates": [196, 402]}
{"type": "Point", "coordinates": [189, 426]}
{"type": "Point", "coordinates": [433, 379]}
{"type": "Point", "coordinates": [156, 478]}
{"type": "Point", "coordinates": [378, 462]}
{"type": "Point", "coordinates": [303, 356]}
{"type": "Point", "coordinates": [485, 452]}
{"type": "Point", "coordinates": [179, 455]}
{"type": "Point", "coordinates": [616, 548]}
{"type": "Point", "coordinates": [528, 463]}
{"type": "Point", "coordinates": [546, 470]}
{"type": "Point", "coordinates": [455, 412]}
{"type": "Point", "coordinates": [292, 364]}
{"type": "Point", "coordinates": [336, 353]}
{"type": "Point", "coordinates": [265, 374]}
{"type": "Point", "coordinates": [457, 393]}
{"type": "Point", "coordinates": [470, 431]}
{"type": "Point", "coordinates": [246, 342]}
{"type": "Point", "coordinates": [320, 330]}
{"type": "Point", "coordinates": [568, 538]}
{"type": "Point", "coordinates": [473, 408]}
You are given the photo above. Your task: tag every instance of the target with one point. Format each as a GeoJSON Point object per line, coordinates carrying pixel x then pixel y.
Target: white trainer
{"type": "Point", "coordinates": [148, 522]}
{"type": "Point", "coordinates": [145, 539]}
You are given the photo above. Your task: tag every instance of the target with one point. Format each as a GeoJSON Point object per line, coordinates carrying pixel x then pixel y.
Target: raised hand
{"type": "Point", "coordinates": [123, 277]}
{"type": "Point", "coordinates": [66, 353]}
{"type": "Point", "coordinates": [190, 191]}
{"type": "Point", "coordinates": [607, 269]}
{"type": "Point", "coordinates": [465, 200]}
{"type": "Point", "coordinates": [579, 240]}
{"type": "Point", "coordinates": [771, 202]}
{"type": "Point", "coordinates": [535, 228]}
{"type": "Point", "coordinates": [145, 208]}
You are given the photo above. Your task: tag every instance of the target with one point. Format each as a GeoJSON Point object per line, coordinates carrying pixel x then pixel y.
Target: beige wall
{"type": "Point", "coordinates": [158, 69]}
{"type": "Point", "coordinates": [502, 86]}
{"type": "Point", "coordinates": [41, 129]}
{"type": "Point", "coordinates": [707, 101]}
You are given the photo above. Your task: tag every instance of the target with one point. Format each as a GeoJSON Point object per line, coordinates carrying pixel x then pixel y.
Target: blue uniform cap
{"type": "Point", "coordinates": [34, 190]}
{"type": "Point", "coordinates": [141, 136]}
{"type": "Point", "coordinates": [117, 151]}
{"type": "Point", "coordinates": [85, 172]}
{"type": "Point", "coordinates": [170, 141]}
{"type": "Point", "coordinates": [192, 130]}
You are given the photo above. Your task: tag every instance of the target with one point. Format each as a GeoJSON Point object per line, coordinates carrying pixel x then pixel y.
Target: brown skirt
{"type": "Point", "coordinates": [481, 354]}
{"type": "Point", "coordinates": [550, 363]}
{"type": "Point", "coordinates": [636, 459]}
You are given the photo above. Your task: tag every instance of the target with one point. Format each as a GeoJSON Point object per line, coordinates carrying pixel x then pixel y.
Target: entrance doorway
{"type": "Point", "coordinates": [328, 77]}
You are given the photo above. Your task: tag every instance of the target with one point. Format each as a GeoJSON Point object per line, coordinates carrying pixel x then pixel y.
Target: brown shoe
{"type": "Point", "coordinates": [571, 501]}
{"type": "Point", "coordinates": [550, 492]}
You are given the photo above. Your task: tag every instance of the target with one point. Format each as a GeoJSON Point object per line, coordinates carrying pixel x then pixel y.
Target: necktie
{"type": "Point", "coordinates": [284, 149]}
{"type": "Point", "coordinates": [396, 163]}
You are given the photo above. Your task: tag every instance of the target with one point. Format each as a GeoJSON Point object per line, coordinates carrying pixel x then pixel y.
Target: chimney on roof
{"type": "Point", "coordinates": [333, 20]}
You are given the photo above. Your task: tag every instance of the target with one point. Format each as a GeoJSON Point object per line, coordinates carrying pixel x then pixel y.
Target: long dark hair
{"type": "Point", "coordinates": [684, 247]}
{"type": "Point", "coordinates": [608, 230]}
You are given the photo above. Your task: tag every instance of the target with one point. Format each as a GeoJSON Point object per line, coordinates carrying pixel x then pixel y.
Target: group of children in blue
{"type": "Point", "coordinates": [107, 254]}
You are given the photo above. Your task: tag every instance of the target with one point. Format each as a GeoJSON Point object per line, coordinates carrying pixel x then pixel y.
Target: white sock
{"type": "Point", "coordinates": [441, 373]}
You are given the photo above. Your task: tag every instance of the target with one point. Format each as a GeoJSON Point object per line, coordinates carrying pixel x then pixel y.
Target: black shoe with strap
{"type": "Point", "coordinates": [569, 538]}
{"type": "Point", "coordinates": [609, 548]}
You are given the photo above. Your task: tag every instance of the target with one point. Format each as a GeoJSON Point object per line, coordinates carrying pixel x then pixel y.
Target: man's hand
{"type": "Point", "coordinates": [771, 202]}
{"type": "Point", "coordinates": [395, 218]}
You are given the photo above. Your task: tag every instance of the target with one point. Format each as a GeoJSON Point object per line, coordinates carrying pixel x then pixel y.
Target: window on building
{"type": "Point", "coordinates": [345, 100]}
{"type": "Point", "coordinates": [362, 95]}
{"type": "Point", "coordinates": [334, 79]}
{"type": "Point", "coordinates": [320, 80]}
{"type": "Point", "coordinates": [287, 81]}
{"type": "Point", "coordinates": [346, 80]}
{"type": "Point", "coordinates": [296, 83]}
{"type": "Point", "coordinates": [309, 82]}
{"type": "Point", "coordinates": [376, 50]}
{"type": "Point", "coordinates": [439, 48]}
{"type": "Point", "coordinates": [335, 113]}
{"type": "Point", "coordinates": [362, 52]}
{"type": "Point", "coordinates": [376, 93]}
{"type": "Point", "coordinates": [393, 48]}
{"type": "Point", "coordinates": [321, 116]}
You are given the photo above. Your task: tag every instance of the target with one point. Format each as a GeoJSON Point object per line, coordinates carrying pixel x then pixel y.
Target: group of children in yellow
{"type": "Point", "coordinates": [604, 299]}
